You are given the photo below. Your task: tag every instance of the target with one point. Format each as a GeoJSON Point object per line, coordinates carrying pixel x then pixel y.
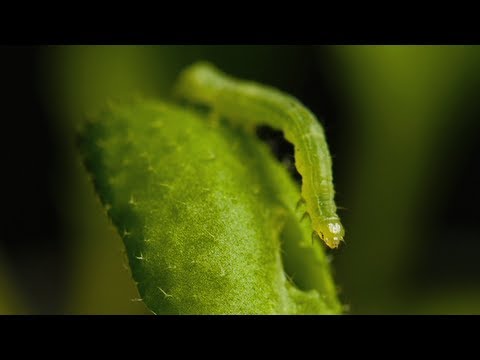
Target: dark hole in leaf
{"type": "Point", "coordinates": [281, 148]}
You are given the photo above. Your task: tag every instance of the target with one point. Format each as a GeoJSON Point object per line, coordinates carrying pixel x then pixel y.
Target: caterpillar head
{"type": "Point", "coordinates": [331, 231]}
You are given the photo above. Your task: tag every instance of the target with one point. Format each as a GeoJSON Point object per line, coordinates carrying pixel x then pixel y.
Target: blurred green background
{"type": "Point", "coordinates": [402, 123]}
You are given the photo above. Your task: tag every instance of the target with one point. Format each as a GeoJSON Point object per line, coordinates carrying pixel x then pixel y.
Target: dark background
{"type": "Point", "coordinates": [402, 124]}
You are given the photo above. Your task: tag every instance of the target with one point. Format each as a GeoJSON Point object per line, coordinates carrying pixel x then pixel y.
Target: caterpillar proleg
{"type": "Point", "coordinates": [251, 104]}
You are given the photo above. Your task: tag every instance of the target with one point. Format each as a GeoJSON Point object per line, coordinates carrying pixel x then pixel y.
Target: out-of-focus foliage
{"type": "Point", "coordinates": [10, 303]}
{"type": "Point", "coordinates": [409, 108]}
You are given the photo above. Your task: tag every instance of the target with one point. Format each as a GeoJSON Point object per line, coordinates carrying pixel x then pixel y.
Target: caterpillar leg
{"type": "Point", "coordinates": [304, 216]}
{"type": "Point", "coordinates": [300, 203]}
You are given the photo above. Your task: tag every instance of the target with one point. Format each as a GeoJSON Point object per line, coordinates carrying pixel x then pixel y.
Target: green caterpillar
{"type": "Point", "coordinates": [251, 104]}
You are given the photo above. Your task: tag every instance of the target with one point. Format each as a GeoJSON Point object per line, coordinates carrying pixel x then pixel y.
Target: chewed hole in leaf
{"type": "Point", "coordinates": [281, 149]}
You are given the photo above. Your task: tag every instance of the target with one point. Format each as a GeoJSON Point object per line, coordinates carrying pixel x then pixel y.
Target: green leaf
{"type": "Point", "coordinates": [205, 212]}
